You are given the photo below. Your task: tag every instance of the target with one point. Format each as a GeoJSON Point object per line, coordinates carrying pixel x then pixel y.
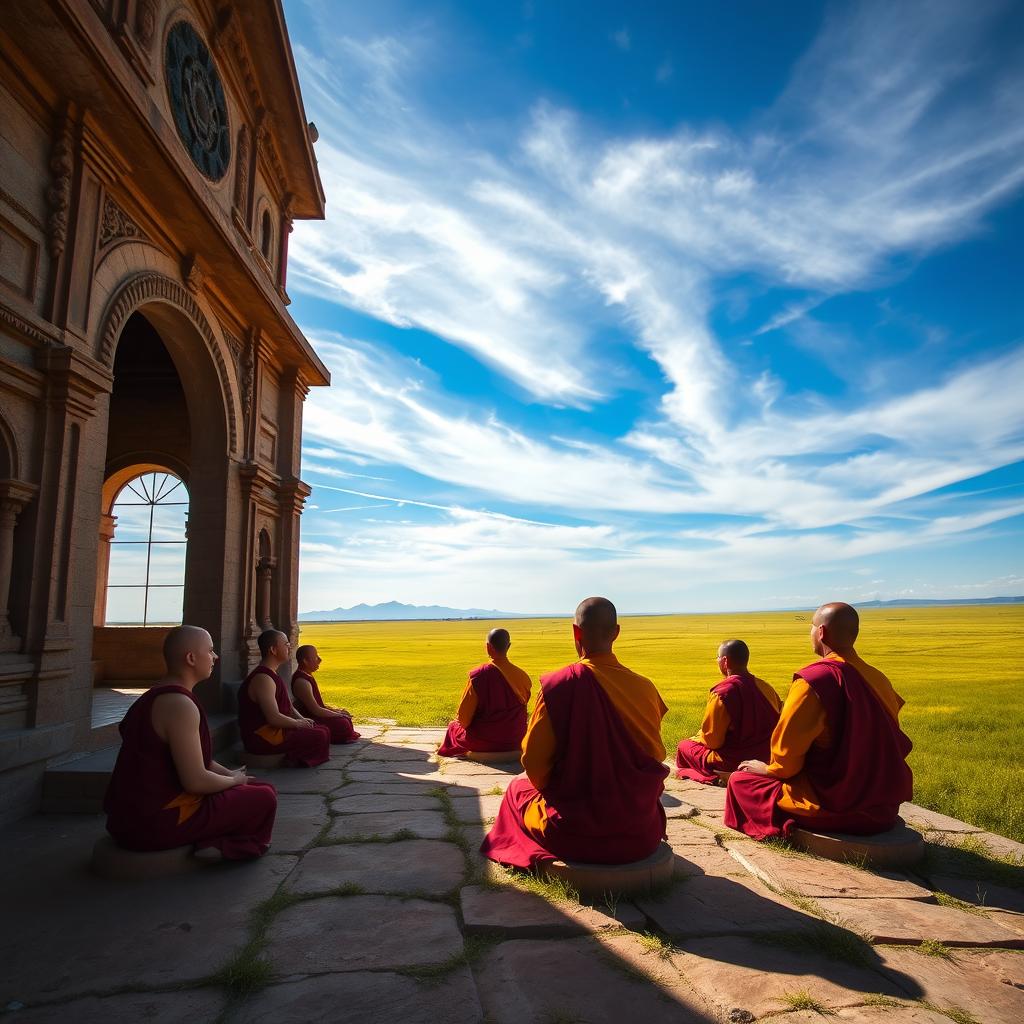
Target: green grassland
{"type": "Point", "coordinates": [956, 667]}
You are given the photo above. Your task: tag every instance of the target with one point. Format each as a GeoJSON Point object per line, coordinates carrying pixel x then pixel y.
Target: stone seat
{"type": "Point", "coordinates": [112, 861]}
{"type": "Point", "coordinates": [638, 878]}
{"type": "Point", "coordinates": [900, 847]}
{"type": "Point", "coordinates": [250, 760]}
{"type": "Point", "coordinates": [493, 756]}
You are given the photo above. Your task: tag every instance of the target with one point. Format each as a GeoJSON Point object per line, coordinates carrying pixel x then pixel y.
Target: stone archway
{"type": "Point", "coordinates": [171, 408]}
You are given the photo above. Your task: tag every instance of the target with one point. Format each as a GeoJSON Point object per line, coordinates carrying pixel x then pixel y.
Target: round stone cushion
{"type": "Point", "coordinates": [637, 878]}
{"type": "Point", "coordinates": [900, 847]}
{"type": "Point", "coordinates": [112, 861]}
{"type": "Point", "coordinates": [494, 756]}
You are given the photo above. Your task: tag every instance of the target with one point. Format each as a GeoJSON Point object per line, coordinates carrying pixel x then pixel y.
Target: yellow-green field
{"type": "Point", "coordinates": [956, 667]}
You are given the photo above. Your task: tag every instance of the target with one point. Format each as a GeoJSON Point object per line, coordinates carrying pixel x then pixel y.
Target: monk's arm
{"type": "Point", "coordinates": [801, 722]}
{"type": "Point", "coordinates": [539, 745]}
{"type": "Point", "coordinates": [262, 691]}
{"type": "Point", "coordinates": [226, 772]}
{"type": "Point", "coordinates": [304, 702]}
{"type": "Point", "coordinates": [467, 706]}
{"type": "Point", "coordinates": [715, 725]}
{"type": "Point", "coordinates": [176, 720]}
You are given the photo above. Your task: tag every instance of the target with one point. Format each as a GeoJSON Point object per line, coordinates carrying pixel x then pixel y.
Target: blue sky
{"type": "Point", "coordinates": [699, 306]}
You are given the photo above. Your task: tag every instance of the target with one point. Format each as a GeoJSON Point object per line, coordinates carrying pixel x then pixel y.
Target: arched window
{"type": "Point", "coordinates": [266, 235]}
{"type": "Point", "coordinates": [146, 581]}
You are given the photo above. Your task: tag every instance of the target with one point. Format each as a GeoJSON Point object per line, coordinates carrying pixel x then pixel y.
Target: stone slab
{"type": "Point", "coordinates": [960, 982]}
{"type": "Point", "coordinates": [676, 807]}
{"type": "Point", "coordinates": [512, 758]}
{"type": "Point", "coordinates": [155, 933]}
{"type": "Point", "coordinates": [362, 933]}
{"type": "Point", "coordinates": [736, 973]}
{"type": "Point", "coordinates": [302, 780]}
{"type": "Point", "coordinates": [476, 809]}
{"type": "Point", "coordinates": [1000, 846]}
{"type": "Point", "coordinates": [153, 1007]}
{"type": "Point", "coordinates": [713, 895]}
{"type": "Point", "coordinates": [913, 814]}
{"type": "Point", "coordinates": [380, 803]}
{"type": "Point", "coordinates": [410, 771]}
{"type": "Point", "coordinates": [368, 996]}
{"type": "Point", "coordinates": [989, 895]}
{"type": "Point", "coordinates": [411, 866]}
{"type": "Point", "coordinates": [542, 980]}
{"type": "Point", "coordinates": [300, 817]}
{"type": "Point", "coordinates": [710, 798]}
{"type": "Point", "coordinates": [377, 753]}
{"type": "Point", "coordinates": [1007, 966]}
{"type": "Point", "coordinates": [911, 921]}
{"type": "Point", "coordinates": [401, 787]}
{"type": "Point", "coordinates": [513, 913]}
{"type": "Point", "coordinates": [807, 876]}
{"type": "Point", "coordinates": [681, 832]}
{"type": "Point", "coordinates": [423, 824]}
{"type": "Point", "coordinates": [457, 767]}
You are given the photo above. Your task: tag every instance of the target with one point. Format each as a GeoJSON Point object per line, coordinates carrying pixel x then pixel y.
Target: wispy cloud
{"type": "Point", "coordinates": [890, 140]}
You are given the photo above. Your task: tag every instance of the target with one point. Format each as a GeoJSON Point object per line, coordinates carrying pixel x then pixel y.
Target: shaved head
{"type": "Point", "coordinates": [736, 652]}
{"type": "Point", "coordinates": [596, 625]}
{"type": "Point", "coordinates": [268, 640]}
{"type": "Point", "coordinates": [304, 652]}
{"type": "Point", "coordinates": [499, 640]}
{"type": "Point", "coordinates": [182, 641]}
{"type": "Point", "coordinates": [840, 625]}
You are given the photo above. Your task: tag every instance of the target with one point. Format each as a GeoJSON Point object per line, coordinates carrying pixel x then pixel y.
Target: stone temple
{"type": "Point", "coordinates": [153, 157]}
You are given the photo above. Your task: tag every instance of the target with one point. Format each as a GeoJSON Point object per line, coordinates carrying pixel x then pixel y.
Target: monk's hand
{"type": "Point", "coordinates": [755, 767]}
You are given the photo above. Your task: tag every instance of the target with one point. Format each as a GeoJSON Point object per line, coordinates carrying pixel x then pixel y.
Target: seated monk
{"type": "Point", "coordinates": [492, 712]}
{"type": "Point", "coordinates": [166, 790]}
{"type": "Point", "coordinates": [838, 755]}
{"type": "Point", "coordinates": [307, 698]}
{"type": "Point", "coordinates": [593, 758]}
{"type": "Point", "coordinates": [268, 722]}
{"type": "Point", "coordinates": [738, 721]}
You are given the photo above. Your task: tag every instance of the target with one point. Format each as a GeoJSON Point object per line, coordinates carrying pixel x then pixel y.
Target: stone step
{"type": "Point", "coordinates": [77, 785]}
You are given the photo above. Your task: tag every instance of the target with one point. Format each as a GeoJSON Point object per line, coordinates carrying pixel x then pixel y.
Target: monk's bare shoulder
{"type": "Point", "coordinates": [173, 709]}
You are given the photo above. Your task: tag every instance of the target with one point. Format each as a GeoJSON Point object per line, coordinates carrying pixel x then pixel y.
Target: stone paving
{"type": "Point", "coordinates": [373, 905]}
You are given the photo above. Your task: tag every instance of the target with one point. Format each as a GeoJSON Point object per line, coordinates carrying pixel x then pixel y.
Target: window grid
{"type": "Point", "coordinates": [150, 489]}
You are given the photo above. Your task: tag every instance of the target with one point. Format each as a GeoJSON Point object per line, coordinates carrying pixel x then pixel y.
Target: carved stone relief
{"type": "Point", "coordinates": [116, 224]}
{"type": "Point", "coordinates": [58, 194]}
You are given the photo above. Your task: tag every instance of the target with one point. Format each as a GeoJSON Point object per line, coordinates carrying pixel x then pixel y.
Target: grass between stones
{"type": "Point", "coordinates": [803, 1000]}
{"type": "Point", "coordinates": [374, 837]}
{"type": "Point", "coordinates": [932, 947]}
{"type": "Point", "coordinates": [660, 947]}
{"type": "Point", "coordinates": [473, 948]}
{"type": "Point", "coordinates": [945, 900]}
{"type": "Point", "coordinates": [955, 1013]}
{"type": "Point", "coordinates": [969, 856]}
{"type": "Point", "coordinates": [828, 940]}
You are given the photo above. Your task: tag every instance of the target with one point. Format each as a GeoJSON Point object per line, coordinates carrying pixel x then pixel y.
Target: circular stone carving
{"type": "Point", "coordinates": [197, 100]}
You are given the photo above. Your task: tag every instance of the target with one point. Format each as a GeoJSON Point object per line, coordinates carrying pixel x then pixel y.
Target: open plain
{"type": "Point", "coordinates": [954, 666]}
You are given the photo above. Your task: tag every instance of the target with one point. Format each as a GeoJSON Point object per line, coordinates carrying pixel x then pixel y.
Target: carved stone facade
{"type": "Point", "coordinates": [141, 331]}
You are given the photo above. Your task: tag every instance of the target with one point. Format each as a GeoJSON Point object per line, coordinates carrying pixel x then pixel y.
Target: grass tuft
{"type": "Point", "coordinates": [661, 948]}
{"type": "Point", "coordinates": [830, 940]}
{"type": "Point", "coordinates": [803, 1000]}
{"type": "Point", "coordinates": [474, 947]}
{"type": "Point", "coordinates": [877, 999]}
{"type": "Point", "coordinates": [244, 974]}
{"type": "Point", "coordinates": [932, 947]}
{"type": "Point", "coordinates": [955, 1013]}
{"type": "Point", "coordinates": [945, 900]}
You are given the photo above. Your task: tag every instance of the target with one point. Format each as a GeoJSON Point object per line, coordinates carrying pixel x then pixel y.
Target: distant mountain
{"type": "Point", "coordinates": [912, 603]}
{"type": "Point", "coordinates": [395, 610]}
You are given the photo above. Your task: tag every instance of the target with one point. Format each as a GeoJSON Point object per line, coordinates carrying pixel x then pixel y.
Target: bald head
{"type": "Point", "coordinates": [836, 626]}
{"type": "Point", "coordinates": [596, 625]}
{"type": "Point", "coordinates": [189, 654]}
{"type": "Point", "coordinates": [736, 654]}
{"type": "Point", "coordinates": [499, 641]}
{"type": "Point", "coordinates": [269, 639]}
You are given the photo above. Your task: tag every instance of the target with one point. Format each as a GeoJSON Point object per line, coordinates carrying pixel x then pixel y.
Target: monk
{"type": "Point", "coordinates": [593, 758]}
{"type": "Point", "coordinates": [268, 722]}
{"type": "Point", "coordinates": [838, 755]}
{"type": "Point", "coordinates": [738, 721]}
{"type": "Point", "coordinates": [311, 704]}
{"type": "Point", "coordinates": [166, 790]}
{"type": "Point", "coordinates": [492, 712]}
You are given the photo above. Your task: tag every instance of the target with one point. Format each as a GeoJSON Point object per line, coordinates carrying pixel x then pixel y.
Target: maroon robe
{"type": "Point", "coordinates": [860, 780]}
{"type": "Point", "coordinates": [604, 794]}
{"type": "Point", "coordinates": [148, 809]}
{"type": "Point", "coordinates": [752, 718]}
{"type": "Point", "coordinates": [500, 719]}
{"type": "Point", "coordinates": [302, 748]}
{"type": "Point", "coordinates": [339, 726]}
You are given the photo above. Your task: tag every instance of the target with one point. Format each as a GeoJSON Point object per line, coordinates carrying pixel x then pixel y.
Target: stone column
{"type": "Point", "coordinates": [107, 524]}
{"type": "Point", "coordinates": [14, 496]}
{"type": "Point", "coordinates": [264, 582]}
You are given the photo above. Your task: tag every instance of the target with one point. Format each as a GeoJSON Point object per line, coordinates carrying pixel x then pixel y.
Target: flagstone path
{"type": "Point", "coordinates": [373, 905]}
